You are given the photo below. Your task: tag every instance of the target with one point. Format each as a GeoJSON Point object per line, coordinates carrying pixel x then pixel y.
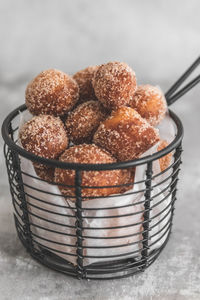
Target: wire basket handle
{"type": "Point", "coordinates": [171, 96]}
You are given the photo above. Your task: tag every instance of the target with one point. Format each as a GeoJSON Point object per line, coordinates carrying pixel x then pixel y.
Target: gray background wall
{"type": "Point", "coordinates": [159, 39]}
{"type": "Point", "coordinates": [155, 37]}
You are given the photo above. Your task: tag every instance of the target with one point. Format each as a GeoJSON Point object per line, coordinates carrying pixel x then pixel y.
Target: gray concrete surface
{"type": "Point", "coordinates": [159, 39]}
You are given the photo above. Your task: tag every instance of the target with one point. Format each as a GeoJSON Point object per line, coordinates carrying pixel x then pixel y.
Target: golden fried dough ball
{"type": "Point", "coordinates": [114, 84]}
{"type": "Point", "coordinates": [165, 160]}
{"type": "Point", "coordinates": [84, 120]}
{"type": "Point", "coordinates": [84, 80]}
{"type": "Point", "coordinates": [51, 92]}
{"type": "Point", "coordinates": [91, 154]}
{"type": "Point", "coordinates": [46, 174]}
{"type": "Point", "coordinates": [45, 136]}
{"type": "Point", "coordinates": [125, 134]}
{"type": "Point", "coordinates": [150, 103]}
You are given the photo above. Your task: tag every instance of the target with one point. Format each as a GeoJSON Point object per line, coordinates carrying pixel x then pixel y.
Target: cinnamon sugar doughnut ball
{"type": "Point", "coordinates": [125, 134]}
{"type": "Point", "coordinates": [150, 103]}
{"type": "Point", "coordinates": [46, 174]}
{"type": "Point", "coordinates": [165, 160]}
{"type": "Point", "coordinates": [91, 154]}
{"type": "Point", "coordinates": [84, 80]}
{"type": "Point", "coordinates": [84, 120]}
{"type": "Point", "coordinates": [45, 136]}
{"type": "Point", "coordinates": [51, 92]}
{"type": "Point", "coordinates": [114, 84]}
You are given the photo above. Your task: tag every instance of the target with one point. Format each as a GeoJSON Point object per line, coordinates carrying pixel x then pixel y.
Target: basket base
{"type": "Point", "coordinates": [98, 271]}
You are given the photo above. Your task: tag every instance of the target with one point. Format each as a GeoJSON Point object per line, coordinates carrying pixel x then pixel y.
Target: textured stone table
{"type": "Point", "coordinates": [159, 41]}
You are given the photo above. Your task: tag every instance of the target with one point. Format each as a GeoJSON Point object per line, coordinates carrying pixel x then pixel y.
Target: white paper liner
{"type": "Point", "coordinates": [63, 236]}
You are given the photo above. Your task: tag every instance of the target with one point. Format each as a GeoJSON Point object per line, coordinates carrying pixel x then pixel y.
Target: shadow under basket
{"type": "Point", "coordinates": [102, 238]}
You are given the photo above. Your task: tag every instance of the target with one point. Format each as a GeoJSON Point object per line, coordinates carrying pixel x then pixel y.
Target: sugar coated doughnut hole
{"type": "Point", "coordinates": [45, 173]}
{"type": "Point", "coordinates": [45, 136]}
{"type": "Point", "coordinates": [51, 92]}
{"type": "Point", "coordinates": [114, 84]}
{"type": "Point", "coordinates": [125, 134]}
{"type": "Point", "coordinates": [165, 160]}
{"type": "Point", "coordinates": [150, 103]}
{"type": "Point", "coordinates": [84, 80]}
{"type": "Point", "coordinates": [83, 121]}
{"type": "Point", "coordinates": [91, 154]}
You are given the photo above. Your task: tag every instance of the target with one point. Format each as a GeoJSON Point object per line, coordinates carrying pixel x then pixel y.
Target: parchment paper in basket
{"type": "Point", "coordinates": [59, 237]}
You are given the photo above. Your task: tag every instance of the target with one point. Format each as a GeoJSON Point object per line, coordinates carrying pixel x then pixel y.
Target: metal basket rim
{"type": "Point", "coordinates": [88, 167]}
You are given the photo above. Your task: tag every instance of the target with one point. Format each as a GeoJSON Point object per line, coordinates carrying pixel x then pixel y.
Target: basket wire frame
{"type": "Point", "coordinates": [150, 241]}
{"type": "Point", "coordinates": [117, 265]}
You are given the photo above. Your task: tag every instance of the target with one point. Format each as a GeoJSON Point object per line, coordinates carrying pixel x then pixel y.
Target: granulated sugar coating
{"type": "Point", "coordinates": [150, 103]}
{"type": "Point", "coordinates": [114, 84]}
{"type": "Point", "coordinates": [84, 80]}
{"type": "Point", "coordinates": [83, 121]}
{"type": "Point", "coordinates": [45, 136]}
{"type": "Point", "coordinates": [165, 160]}
{"type": "Point", "coordinates": [51, 92]}
{"type": "Point", "coordinates": [126, 134]}
{"type": "Point", "coordinates": [91, 154]}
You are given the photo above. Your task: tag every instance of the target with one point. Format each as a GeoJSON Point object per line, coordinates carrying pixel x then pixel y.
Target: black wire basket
{"type": "Point", "coordinates": [113, 239]}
